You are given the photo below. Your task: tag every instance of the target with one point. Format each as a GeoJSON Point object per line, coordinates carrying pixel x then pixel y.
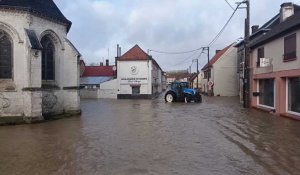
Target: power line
{"type": "Point", "coordinates": [174, 53]}
{"type": "Point", "coordinates": [185, 60]}
{"type": "Point", "coordinates": [229, 5]}
{"type": "Point", "coordinates": [223, 28]}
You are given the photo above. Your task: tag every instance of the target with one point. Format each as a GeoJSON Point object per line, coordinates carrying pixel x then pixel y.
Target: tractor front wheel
{"type": "Point", "coordinates": [169, 97]}
{"type": "Point", "coordinates": [198, 98]}
{"type": "Point", "coordinates": [188, 98]}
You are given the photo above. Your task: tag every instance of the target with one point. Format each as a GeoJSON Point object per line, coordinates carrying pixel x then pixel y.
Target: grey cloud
{"type": "Point", "coordinates": [170, 25]}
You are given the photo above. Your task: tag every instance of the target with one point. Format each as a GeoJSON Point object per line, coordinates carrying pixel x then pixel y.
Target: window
{"type": "Point", "coordinates": [207, 74]}
{"type": "Point", "coordinates": [294, 95]}
{"type": "Point", "coordinates": [290, 45]}
{"type": "Point", "coordinates": [260, 54]}
{"type": "Point", "coordinates": [5, 56]}
{"type": "Point", "coordinates": [266, 92]}
{"type": "Point", "coordinates": [48, 64]}
{"type": "Point", "coordinates": [135, 90]}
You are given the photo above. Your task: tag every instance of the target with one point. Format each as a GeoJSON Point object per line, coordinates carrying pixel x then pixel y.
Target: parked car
{"type": "Point", "coordinates": [180, 92]}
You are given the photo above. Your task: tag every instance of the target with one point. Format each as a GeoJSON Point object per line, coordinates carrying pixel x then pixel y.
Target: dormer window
{"type": "Point", "coordinates": [290, 48]}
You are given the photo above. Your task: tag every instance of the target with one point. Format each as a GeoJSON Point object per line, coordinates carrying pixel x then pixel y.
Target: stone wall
{"type": "Point", "coordinates": [23, 95]}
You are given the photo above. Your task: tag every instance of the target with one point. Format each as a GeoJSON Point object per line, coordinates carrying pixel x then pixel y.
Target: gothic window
{"type": "Point", "coordinates": [48, 63]}
{"type": "Point", "coordinates": [5, 56]}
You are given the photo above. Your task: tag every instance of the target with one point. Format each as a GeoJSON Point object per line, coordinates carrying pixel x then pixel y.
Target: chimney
{"type": "Point", "coordinates": [101, 63]}
{"type": "Point", "coordinates": [118, 51]}
{"type": "Point", "coordinates": [255, 28]}
{"type": "Point", "coordinates": [217, 51]}
{"type": "Point", "coordinates": [106, 62]}
{"type": "Point", "coordinates": [286, 10]}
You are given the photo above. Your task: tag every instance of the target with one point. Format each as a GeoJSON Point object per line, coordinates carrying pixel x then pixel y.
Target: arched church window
{"type": "Point", "coordinates": [48, 62]}
{"type": "Point", "coordinates": [5, 56]}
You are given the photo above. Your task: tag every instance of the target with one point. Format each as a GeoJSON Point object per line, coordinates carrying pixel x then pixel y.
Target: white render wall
{"type": "Point", "coordinates": [21, 96]}
{"type": "Point", "coordinates": [274, 50]}
{"type": "Point", "coordinates": [224, 74]}
{"type": "Point", "coordinates": [144, 71]}
{"type": "Point", "coordinates": [109, 89]}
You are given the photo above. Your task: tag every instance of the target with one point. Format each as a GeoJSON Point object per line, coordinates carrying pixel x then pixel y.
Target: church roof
{"type": "Point", "coordinates": [43, 8]}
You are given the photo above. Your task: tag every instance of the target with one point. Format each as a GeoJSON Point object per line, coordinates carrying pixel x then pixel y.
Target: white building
{"type": "Point", "coordinates": [39, 67]}
{"type": "Point", "coordinates": [138, 75]}
{"type": "Point", "coordinates": [220, 77]}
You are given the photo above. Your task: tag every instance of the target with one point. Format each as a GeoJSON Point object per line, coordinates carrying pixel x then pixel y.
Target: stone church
{"type": "Point", "coordinates": [39, 66]}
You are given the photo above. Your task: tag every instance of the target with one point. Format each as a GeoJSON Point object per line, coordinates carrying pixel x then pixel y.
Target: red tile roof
{"type": "Point", "coordinates": [98, 71]}
{"type": "Point", "coordinates": [216, 57]}
{"type": "Point", "coordinates": [135, 53]}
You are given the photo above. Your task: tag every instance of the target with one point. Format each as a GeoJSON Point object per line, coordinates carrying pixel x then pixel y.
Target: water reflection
{"type": "Point", "coordinates": [152, 137]}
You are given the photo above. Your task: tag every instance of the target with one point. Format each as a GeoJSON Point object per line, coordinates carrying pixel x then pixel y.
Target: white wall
{"type": "Point", "coordinates": [109, 89]}
{"type": "Point", "coordinates": [224, 74]}
{"type": "Point", "coordinates": [143, 71]}
{"type": "Point", "coordinates": [19, 92]}
{"type": "Point", "coordinates": [274, 50]}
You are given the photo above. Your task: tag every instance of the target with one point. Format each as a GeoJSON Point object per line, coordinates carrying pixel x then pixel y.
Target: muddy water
{"type": "Point", "coordinates": [150, 137]}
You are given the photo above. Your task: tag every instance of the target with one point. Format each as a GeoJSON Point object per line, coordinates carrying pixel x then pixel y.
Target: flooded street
{"type": "Point", "coordinates": [127, 137]}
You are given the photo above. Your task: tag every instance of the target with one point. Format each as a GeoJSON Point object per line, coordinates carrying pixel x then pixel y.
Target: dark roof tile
{"type": "Point", "coordinates": [290, 24]}
{"type": "Point", "coordinates": [45, 8]}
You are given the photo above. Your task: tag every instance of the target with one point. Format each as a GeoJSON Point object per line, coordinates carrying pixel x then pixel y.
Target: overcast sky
{"type": "Point", "coordinates": [167, 25]}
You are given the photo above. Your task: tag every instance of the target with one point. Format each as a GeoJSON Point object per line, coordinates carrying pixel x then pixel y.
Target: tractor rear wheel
{"type": "Point", "coordinates": [169, 97]}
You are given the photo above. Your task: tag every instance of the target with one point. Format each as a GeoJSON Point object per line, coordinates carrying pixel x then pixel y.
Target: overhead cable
{"type": "Point", "coordinates": [174, 53]}
{"type": "Point", "coordinates": [229, 5]}
{"type": "Point", "coordinates": [224, 27]}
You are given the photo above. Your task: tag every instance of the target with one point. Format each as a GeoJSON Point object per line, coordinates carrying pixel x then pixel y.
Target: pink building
{"type": "Point", "coordinates": [275, 65]}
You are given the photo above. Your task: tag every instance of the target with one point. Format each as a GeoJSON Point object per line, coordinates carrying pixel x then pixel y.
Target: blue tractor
{"type": "Point", "coordinates": [180, 92]}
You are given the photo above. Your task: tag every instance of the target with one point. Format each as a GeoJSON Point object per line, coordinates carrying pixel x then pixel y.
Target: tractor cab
{"type": "Point", "coordinates": [180, 92]}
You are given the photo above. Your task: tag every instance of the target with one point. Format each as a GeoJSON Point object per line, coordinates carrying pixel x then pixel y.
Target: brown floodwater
{"type": "Point", "coordinates": [137, 137]}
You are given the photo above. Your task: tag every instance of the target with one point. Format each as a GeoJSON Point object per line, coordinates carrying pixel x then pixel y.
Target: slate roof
{"type": "Point", "coordinates": [34, 41]}
{"type": "Point", "coordinates": [216, 57]}
{"type": "Point", "coordinates": [98, 71]}
{"type": "Point", "coordinates": [94, 80]}
{"type": "Point", "coordinates": [43, 8]}
{"type": "Point", "coordinates": [290, 24]}
{"type": "Point", "coordinates": [263, 29]}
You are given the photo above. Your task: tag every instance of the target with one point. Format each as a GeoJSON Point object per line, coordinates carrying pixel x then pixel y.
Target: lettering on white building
{"type": "Point", "coordinates": [133, 80]}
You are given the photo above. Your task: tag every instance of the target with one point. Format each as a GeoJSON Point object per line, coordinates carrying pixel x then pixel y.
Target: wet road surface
{"type": "Point", "coordinates": [127, 137]}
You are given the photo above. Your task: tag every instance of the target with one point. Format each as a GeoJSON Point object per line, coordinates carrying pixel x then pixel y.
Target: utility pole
{"type": "Point", "coordinates": [246, 85]}
{"type": "Point", "coordinates": [208, 69]}
{"type": "Point", "coordinates": [197, 74]}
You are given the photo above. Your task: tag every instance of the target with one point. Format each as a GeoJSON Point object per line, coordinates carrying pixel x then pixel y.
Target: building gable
{"type": "Point", "coordinates": [216, 57]}
{"type": "Point", "coordinates": [135, 54]}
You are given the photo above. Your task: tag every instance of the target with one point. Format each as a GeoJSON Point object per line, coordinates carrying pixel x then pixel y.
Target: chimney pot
{"type": "Point", "coordinates": [217, 51]}
{"type": "Point", "coordinates": [101, 63]}
{"type": "Point", "coordinates": [255, 28]}
{"type": "Point", "coordinates": [106, 62]}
